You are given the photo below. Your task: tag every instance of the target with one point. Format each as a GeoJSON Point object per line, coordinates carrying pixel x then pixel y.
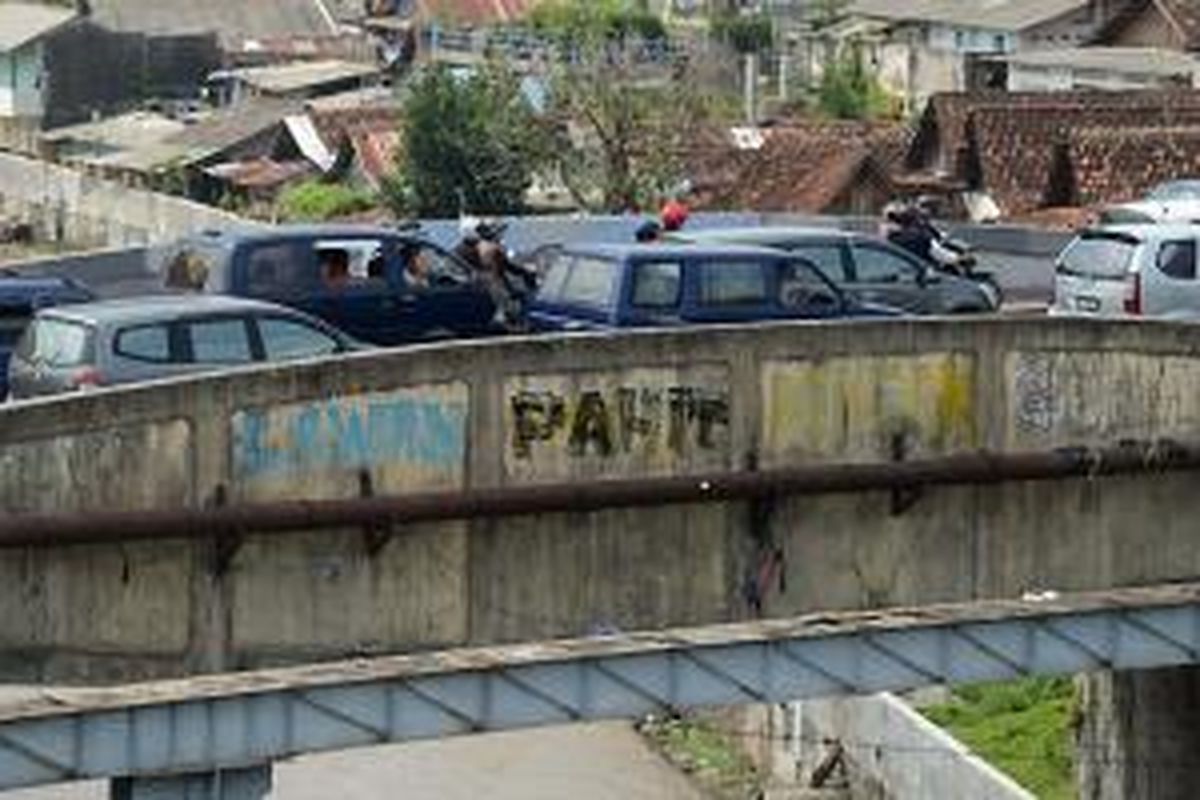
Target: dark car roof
{"type": "Point", "coordinates": [276, 232]}
{"type": "Point", "coordinates": [765, 234]}
{"type": "Point", "coordinates": [666, 250]}
{"type": "Point", "coordinates": [153, 308]}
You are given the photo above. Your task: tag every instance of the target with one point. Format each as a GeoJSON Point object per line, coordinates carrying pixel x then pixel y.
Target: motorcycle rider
{"type": "Point", "coordinates": [509, 283]}
{"type": "Point", "coordinates": [910, 225]}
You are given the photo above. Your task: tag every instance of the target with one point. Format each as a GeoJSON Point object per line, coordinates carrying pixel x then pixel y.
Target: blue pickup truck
{"type": "Point", "coordinates": [378, 285]}
{"type": "Point", "coordinates": [589, 287]}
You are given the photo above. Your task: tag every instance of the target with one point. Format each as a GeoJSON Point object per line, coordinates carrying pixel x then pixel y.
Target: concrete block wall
{"type": "Point", "coordinates": [588, 408]}
{"type": "Point", "coordinates": [69, 206]}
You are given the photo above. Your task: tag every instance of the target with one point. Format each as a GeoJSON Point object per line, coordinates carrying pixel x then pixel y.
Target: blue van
{"type": "Point", "coordinates": [587, 287]}
{"type": "Point", "coordinates": [378, 285]}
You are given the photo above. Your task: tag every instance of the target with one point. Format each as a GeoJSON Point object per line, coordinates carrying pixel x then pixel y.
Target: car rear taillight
{"type": "Point", "coordinates": [1133, 295]}
{"type": "Point", "coordinates": [86, 378]}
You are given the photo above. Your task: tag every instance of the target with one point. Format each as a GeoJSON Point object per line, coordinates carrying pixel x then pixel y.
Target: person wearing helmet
{"type": "Point", "coordinates": [673, 216]}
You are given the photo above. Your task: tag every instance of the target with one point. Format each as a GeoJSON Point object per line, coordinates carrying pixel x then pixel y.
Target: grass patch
{"type": "Point", "coordinates": [711, 757]}
{"type": "Point", "coordinates": [1021, 727]}
{"type": "Point", "coordinates": [317, 201]}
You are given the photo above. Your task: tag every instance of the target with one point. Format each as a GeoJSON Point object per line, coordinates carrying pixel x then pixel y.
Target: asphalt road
{"type": "Point", "coordinates": [603, 761]}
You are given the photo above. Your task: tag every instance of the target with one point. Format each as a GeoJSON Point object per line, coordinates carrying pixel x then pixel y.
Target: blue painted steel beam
{"type": "Point", "coordinates": [228, 721]}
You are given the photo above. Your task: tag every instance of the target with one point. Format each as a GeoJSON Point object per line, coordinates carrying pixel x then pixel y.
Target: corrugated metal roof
{"type": "Point", "coordinates": [1001, 15]}
{"type": "Point", "coordinates": [23, 22]}
{"type": "Point", "coordinates": [1140, 60]}
{"type": "Point", "coordinates": [234, 21]}
{"type": "Point", "coordinates": [286, 78]}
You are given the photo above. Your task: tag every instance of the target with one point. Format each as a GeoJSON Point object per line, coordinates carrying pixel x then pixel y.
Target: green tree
{"type": "Point", "coordinates": [745, 33]}
{"type": "Point", "coordinates": [469, 143]}
{"type": "Point", "coordinates": [849, 91]}
{"type": "Point", "coordinates": [628, 114]}
{"type": "Point", "coordinates": [584, 23]}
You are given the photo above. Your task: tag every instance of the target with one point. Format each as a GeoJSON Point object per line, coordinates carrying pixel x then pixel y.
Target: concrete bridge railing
{"type": "Point", "coordinates": [589, 408]}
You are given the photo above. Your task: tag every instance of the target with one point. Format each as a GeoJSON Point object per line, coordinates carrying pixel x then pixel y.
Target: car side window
{"type": "Point", "coordinates": [423, 265]}
{"type": "Point", "coordinates": [220, 341]}
{"type": "Point", "coordinates": [285, 339]}
{"type": "Point", "coordinates": [657, 284]}
{"type": "Point", "coordinates": [1178, 259]}
{"type": "Point", "coordinates": [272, 269]}
{"type": "Point", "coordinates": [727, 283]}
{"type": "Point", "coordinates": [877, 265]}
{"type": "Point", "coordinates": [802, 287]}
{"type": "Point", "coordinates": [150, 343]}
{"type": "Point", "coordinates": [591, 282]}
{"type": "Point", "coordinates": [827, 258]}
{"type": "Point", "coordinates": [348, 263]}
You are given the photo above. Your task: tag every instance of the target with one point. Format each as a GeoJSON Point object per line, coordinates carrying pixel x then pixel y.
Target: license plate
{"type": "Point", "coordinates": [1087, 303]}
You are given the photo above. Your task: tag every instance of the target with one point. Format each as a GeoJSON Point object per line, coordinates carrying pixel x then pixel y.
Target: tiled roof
{"type": "Point", "coordinates": [1001, 15]}
{"type": "Point", "coordinates": [474, 11]}
{"type": "Point", "coordinates": [1021, 147]}
{"type": "Point", "coordinates": [803, 166]}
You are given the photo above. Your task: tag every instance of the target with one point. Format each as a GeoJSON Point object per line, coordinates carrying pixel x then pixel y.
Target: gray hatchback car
{"type": "Point", "coordinates": [867, 268]}
{"type": "Point", "coordinates": [70, 348]}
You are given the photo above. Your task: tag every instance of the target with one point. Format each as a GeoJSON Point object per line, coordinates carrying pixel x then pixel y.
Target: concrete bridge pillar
{"type": "Point", "coordinates": [1138, 735]}
{"type": "Point", "coordinates": [250, 783]}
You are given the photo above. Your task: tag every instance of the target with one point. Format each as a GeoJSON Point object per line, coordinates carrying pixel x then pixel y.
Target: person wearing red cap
{"type": "Point", "coordinates": [674, 214]}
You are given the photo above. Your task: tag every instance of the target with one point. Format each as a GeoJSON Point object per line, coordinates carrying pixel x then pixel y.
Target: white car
{"type": "Point", "coordinates": [1130, 270]}
{"type": "Point", "coordinates": [1173, 201]}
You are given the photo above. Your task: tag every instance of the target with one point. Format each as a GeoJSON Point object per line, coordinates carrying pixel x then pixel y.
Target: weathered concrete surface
{"type": "Point", "coordinates": [591, 408]}
{"type": "Point", "coordinates": [1138, 735]}
{"type": "Point", "coordinates": [891, 751]}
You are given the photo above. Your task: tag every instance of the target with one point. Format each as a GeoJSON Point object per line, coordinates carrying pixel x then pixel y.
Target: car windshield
{"type": "Point", "coordinates": [1176, 190]}
{"type": "Point", "coordinates": [56, 343]}
{"type": "Point", "coordinates": [1099, 255]}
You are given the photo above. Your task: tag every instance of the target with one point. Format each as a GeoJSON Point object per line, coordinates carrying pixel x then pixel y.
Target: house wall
{"type": "Point", "coordinates": [1149, 29]}
{"type": "Point", "coordinates": [21, 81]}
{"type": "Point", "coordinates": [969, 40]}
{"type": "Point", "coordinates": [1024, 78]}
{"type": "Point", "coordinates": [96, 70]}
{"type": "Point", "coordinates": [916, 72]}
{"type": "Point", "coordinates": [1069, 30]}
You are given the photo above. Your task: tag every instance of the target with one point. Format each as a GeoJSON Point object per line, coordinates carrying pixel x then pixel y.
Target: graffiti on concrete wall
{"type": "Point", "coordinates": [1074, 397]}
{"type": "Point", "coordinates": [416, 436]}
{"type": "Point", "coordinates": [638, 420]}
{"type": "Point", "coordinates": [863, 408]}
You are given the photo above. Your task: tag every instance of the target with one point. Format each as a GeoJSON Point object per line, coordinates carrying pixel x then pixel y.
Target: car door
{"type": "Point", "coordinates": [831, 258]}
{"type": "Point", "coordinates": [1169, 285]}
{"type": "Point", "coordinates": [288, 338]}
{"type": "Point", "coordinates": [805, 292]}
{"type": "Point", "coordinates": [217, 341]}
{"type": "Point", "coordinates": [358, 291]}
{"type": "Point", "coordinates": [437, 295]}
{"type": "Point", "coordinates": [884, 275]}
{"type": "Point", "coordinates": [731, 289]}
{"type": "Point", "coordinates": [655, 292]}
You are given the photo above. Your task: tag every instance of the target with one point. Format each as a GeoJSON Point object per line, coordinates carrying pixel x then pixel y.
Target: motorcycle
{"type": "Point", "coordinates": [958, 257]}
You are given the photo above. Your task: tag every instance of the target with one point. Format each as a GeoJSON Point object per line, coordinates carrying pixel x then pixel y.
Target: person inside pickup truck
{"type": "Point", "coordinates": [335, 267]}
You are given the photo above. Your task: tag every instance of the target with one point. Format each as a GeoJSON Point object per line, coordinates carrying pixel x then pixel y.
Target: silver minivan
{"type": "Point", "coordinates": [72, 348]}
{"type": "Point", "coordinates": [1129, 270]}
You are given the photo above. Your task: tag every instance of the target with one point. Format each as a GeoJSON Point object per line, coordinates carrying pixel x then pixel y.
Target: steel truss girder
{"type": "Point", "coordinates": [233, 720]}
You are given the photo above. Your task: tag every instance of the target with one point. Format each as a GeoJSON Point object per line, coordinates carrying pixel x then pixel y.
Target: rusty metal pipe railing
{"type": "Point", "coordinates": [978, 468]}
